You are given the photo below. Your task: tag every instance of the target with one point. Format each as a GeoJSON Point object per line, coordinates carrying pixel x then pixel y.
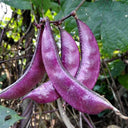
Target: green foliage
{"type": "Point", "coordinates": [114, 31]}
{"type": "Point", "coordinates": [44, 5]}
{"type": "Point", "coordinates": [8, 117]}
{"type": "Point", "coordinates": [116, 67]}
{"type": "Point", "coordinates": [108, 20]}
{"type": "Point", "coordinates": [2, 77]}
{"type": "Point", "coordinates": [103, 90]}
{"type": "Point", "coordinates": [123, 79]}
{"type": "Point", "coordinates": [20, 4]}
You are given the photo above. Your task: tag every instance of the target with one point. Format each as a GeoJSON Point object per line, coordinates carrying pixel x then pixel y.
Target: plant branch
{"type": "Point", "coordinates": [82, 2]}
{"type": "Point", "coordinates": [118, 57]}
{"type": "Point", "coordinates": [5, 28]}
{"type": "Point", "coordinates": [115, 89]}
{"type": "Point", "coordinates": [16, 58]}
{"type": "Point", "coordinates": [58, 22]}
{"type": "Point", "coordinates": [64, 116]}
{"type": "Point", "coordinates": [28, 29]}
{"type": "Point", "coordinates": [58, 2]}
{"type": "Point", "coordinates": [73, 13]}
{"type": "Point", "coordinates": [86, 119]}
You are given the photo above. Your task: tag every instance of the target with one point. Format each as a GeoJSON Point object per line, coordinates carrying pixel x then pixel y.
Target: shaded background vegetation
{"type": "Point", "coordinates": [109, 22]}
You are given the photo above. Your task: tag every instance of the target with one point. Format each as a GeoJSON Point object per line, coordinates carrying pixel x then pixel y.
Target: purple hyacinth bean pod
{"type": "Point", "coordinates": [73, 92]}
{"type": "Point", "coordinates": [30, 78]}
{"type": "Point", "coordinates": [70, 58]}
{"type": "Point", "coordinates": [89, 66]}
{"type": "Point", "coordinates": [90, 62]}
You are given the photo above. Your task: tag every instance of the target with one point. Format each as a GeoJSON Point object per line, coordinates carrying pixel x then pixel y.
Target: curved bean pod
{"type": "Point", "coordinates": [70, 58]}
{"type": "Point", "coordinates": [90, 62]}
{"type": "Point", "coordinates": [73, 92]}
{"type": "Point", "coordinates": [30, 78]}
{"type": "Point", "coordinates": [89, 66]}
{"type": "Point", "coordinates": [70, 53]}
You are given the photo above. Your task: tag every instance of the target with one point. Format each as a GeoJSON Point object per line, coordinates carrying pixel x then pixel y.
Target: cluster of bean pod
{"type": "Point", "coordinates": [72, 76]}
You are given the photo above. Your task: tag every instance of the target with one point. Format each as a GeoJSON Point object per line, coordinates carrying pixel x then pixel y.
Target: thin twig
{"type": "Point", "coordinates": [63, 115]}
{"type": "Point", "coordinates": [115, 88]}
{"type": "Point", "coordinates": [58, 22]}
{"type": "Point", "coordinates": [32, 10]}
{"type": "Point", "coordinates": [16, 58]}
{"type": "Point", "coordinates": [28, 114]}
{"type": "Point", "coordinates": [27, 109]}
{"type": "Point", "coordinates": [113, 92]}
{"type": "Point", "coordinates": [117, 97]}
{"type": "Point", "coordinates": [117, 57]}
{"type": "Point", "coordinates": [80, 121]}
{"type": "Point", "coordinates": [82, 2]}
{"type": "Point", "coordinates": [56, 112]}
{"type": "Point", "coordinates": [50, 111]}
{"type": "Point", "coordinates": [1, 36]}
{"type": "Point", "coordinates": [92, 123]}
{"type": "Point", "coordinates": [21, 39]}
{"type": "Point", "coordinates": [5, 28]}
{"type": "Point", "coordinates": [86, 119]}
{"type": "Point", "coordinates": [73, 13]}
{"type": "Point", "coordinates": [73, 114]}
{"type": "Point", "coordinates": [58, 2]}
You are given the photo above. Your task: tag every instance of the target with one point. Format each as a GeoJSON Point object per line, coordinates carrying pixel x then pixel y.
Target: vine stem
{"type": "Point", "coordinates": [58, 22]}
{"type": "Point", "coordinates": [59, 2]}
{"type": "Point", "coordinates": [82, 2]}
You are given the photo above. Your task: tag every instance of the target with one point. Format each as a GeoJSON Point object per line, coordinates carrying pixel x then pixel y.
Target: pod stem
{"type": "Point", "coordinates": [117, 112]}
{"type": "Point", "coordinates": [73, 13]}
{"type": "Point", "coordinates": [58, 22]}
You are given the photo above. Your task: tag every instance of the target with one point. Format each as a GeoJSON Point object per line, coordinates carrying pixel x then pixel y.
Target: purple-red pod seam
{"type": "Point", "coordinates": [73, 92]}
{"type": "Point", "coordinates": [88, 71]}
{"type": "Point", "coordinates": [70, 58]}
{"type": "Point", "coordinates": [30, 78]}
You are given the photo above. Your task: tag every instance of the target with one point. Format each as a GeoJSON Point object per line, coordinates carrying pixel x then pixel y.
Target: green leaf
{"type": "Point", "coordinates": [45, 5]}
{"type": "Point", "coordinates": [20, 4]}
{"type": "Point", "coordinates": [114, 32]}
{"type": "Point", "coordinates": [86, 13]}
{"type": "Point", "coordinates": [103, 113]}
{"type": "Point", "coordinates": [60, 14]}
{"type": "Point", "coordinates": [3, 77]}
{"type": "Point", "coordinates": [108, 21]}
{"type": "Point", "coordinates": [54, 6]}
{"type": "Point", "coordinates": [8, 117]}
{"type": "Point", "coordinates": [66, 7]}
{"type": "Point", "coordinates": [116, 67]}
{"type": "Point", "coordinates": [123, 80]}
{"type": "Point", "coordinates": [38, 4]}
{"type": "Point", "coordinates": [103, 90]}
